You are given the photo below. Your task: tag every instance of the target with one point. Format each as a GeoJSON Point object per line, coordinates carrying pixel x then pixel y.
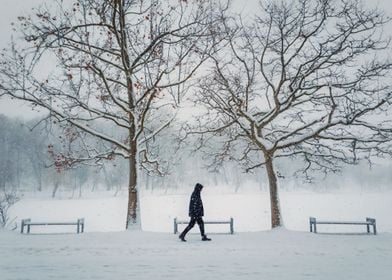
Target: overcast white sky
{"type": "Point", "coordinates": [10, 9]}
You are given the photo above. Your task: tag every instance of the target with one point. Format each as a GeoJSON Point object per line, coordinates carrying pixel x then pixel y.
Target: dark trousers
{"type": "Point", "coordinates": [199, 221]}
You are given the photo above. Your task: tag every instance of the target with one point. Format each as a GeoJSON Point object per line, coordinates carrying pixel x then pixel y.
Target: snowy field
{"type": "Point", "coordinates": [106, 251]}
{"type": "Point", "coordinates": [250, 211]}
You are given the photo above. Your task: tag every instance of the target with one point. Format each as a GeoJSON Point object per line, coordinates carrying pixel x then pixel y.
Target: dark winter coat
{"type": "Point", "coordinates": [196, 205]}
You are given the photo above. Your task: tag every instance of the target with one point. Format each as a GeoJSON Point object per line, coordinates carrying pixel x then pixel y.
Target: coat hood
{"type": "Point", "coordinates": [198, 187]}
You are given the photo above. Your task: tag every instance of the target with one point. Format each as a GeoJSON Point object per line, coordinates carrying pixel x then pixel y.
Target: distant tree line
{"type": "Point", "coordinates": [30, 153]}
{"type": "Point", "coordinates": [35, 157]}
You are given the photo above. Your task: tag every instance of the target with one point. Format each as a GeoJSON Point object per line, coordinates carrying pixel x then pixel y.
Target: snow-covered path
{"type": "Point", "coordinates": [277, 254]}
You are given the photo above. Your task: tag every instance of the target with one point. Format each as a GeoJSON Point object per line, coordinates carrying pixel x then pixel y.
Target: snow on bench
{"type": "Point", "coordinates": [230, 222]}
{"type": "Point", "coordinates": [369, 222]}
{"type": "Point", "coordinates": [27, 223]}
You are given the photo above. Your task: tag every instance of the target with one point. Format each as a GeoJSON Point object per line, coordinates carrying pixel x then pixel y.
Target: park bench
{"type": "Point", "coordinates": [27, 223]}
{"type": "Point", "coordinates": [369, 222]}
{"type": "Point", "coordinates": [229, 222]}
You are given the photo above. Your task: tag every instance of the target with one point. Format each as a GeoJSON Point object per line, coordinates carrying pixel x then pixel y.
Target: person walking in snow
{"type": "Point", "coordinates": [196, 213]}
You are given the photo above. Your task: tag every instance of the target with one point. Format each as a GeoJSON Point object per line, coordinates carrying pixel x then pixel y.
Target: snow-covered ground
{"type": "Point", "coordinates": [106, 251]}
{"type": "Point", "coordinates": [250, 211]}
{"type": "Point", "coordinates": [277, 254]}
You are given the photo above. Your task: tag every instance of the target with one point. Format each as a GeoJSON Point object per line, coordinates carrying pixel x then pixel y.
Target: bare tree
{"type": "Point", "coordinates": [36, 150]}
{"type": "Point", "coordinates": [13, 140]}
{"type": "Point", "coordinates": [120, 62]}
{"type": "Point", "coordinates": [305, 79]}
{"type": "Point", "coordinates": [7, 199]}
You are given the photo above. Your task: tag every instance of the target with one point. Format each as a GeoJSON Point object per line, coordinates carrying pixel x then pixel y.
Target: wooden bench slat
{"type": "Point", "coordinates": [51, 224]}
{"type": "Point", "coordinates": [344, 223]}
{"type": "Point", "coordinates": [206, 222]}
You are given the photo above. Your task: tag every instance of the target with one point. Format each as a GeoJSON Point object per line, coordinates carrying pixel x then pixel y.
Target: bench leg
{"type": "Point", "coordinates": [231, 226]}
{"type": "Point", "coordinates": [28, 228]}
{"type": "Point", "coordinates": [368, 228]}
{"type": "Point", "coordinates": [175, 226]}
{"type": "Point", "coordinates": [374, 229]}
{"type": "Point", "coordinates": [22, 226]}
{"type": "Point", "coordinates": [311, 227]}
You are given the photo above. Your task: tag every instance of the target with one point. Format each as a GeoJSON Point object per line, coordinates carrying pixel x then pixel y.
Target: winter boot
{"type": "Point", "coordinates": [205, 238]}
{"type": "Point", "coordinates": [182, 238]}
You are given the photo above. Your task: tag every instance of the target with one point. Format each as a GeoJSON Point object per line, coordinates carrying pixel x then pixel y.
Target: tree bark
{"type": "Point", "coordinates": [132, 190]}
{"type": "Point", "coordinates": [55, 188]}
{"type": "Point", "coordinates": [276, 220]}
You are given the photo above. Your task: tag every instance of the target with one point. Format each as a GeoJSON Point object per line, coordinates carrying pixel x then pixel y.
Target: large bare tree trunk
{"type": "Point", "coordinates": [276, 220]}
{"type": "Point", "coordinates": [132, 190]}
